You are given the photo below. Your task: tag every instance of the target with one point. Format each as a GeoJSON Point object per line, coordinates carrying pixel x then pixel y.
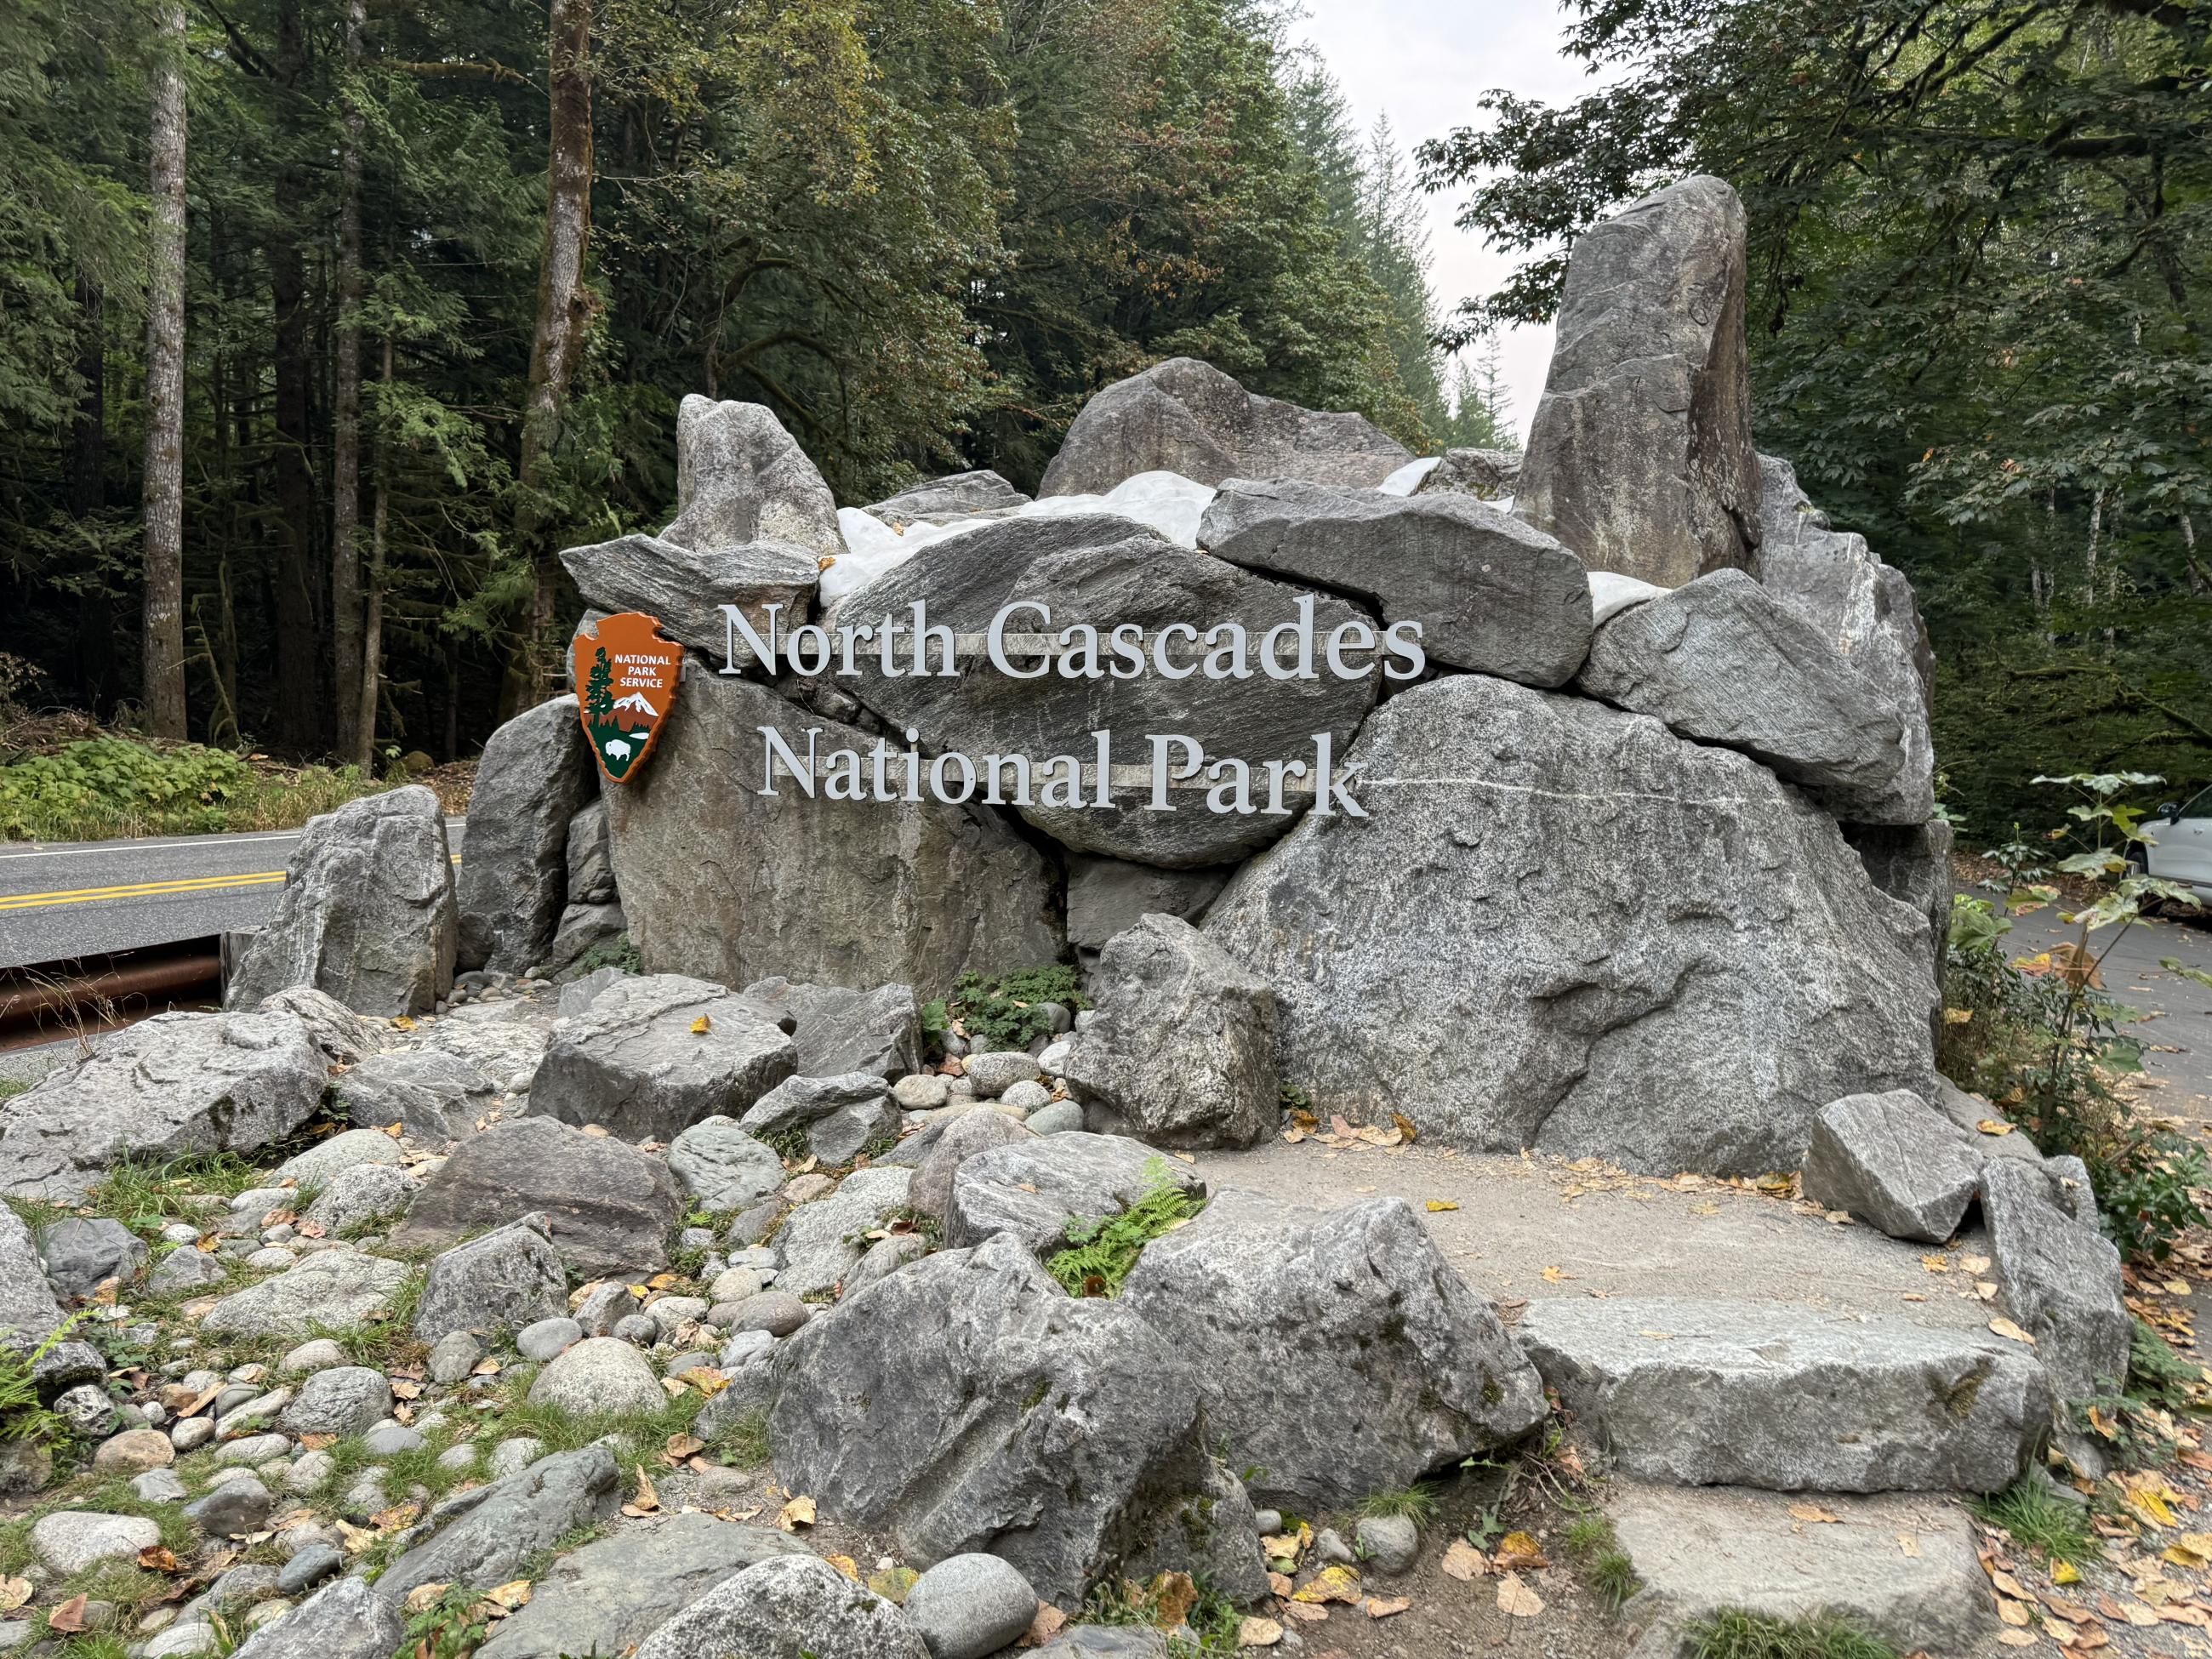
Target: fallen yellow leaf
{"type": "Point", "coordinates": [1814, 1512]}
{"type": "Point", "coordinates": [423, 1597]}
{"type": "Point", "coordinates": [1257, 1632]}
{"type": "Point", "coordinates": [846, 1564]}
{"type": "Point", "coordinates": [2017, 1638]}
{"type": "Point", "coordinates": [1518, 1549]}
{"type": "Point", "coordinates": [1463, 1561]}
{"type": "Point", "coordinates": [1337, 1583]}
{"type": "Point", "coordinates": [1990, 1125]}
{"type": "Point", "coordinates": [1934, 1264]}
{"type": "Point", "coordinates": [1379, 1609]}
{"type": "Point", "coordinates": [799, 1512]}
{"type": "Point", "coordinates": [2063, 1572]}
{"type": "Point", "coordinates": [1437, 1205]}
{"type": "Point", "coordinates": [515, 1593]}
{"type": "Point", "coordinates": [1555, 1275]}
{"type": "Point", "coordinates": [701, 1025]}
{"type": "Point", "coordinates": [2010, 1332]}
{"type": "Point", "coordinates": [14, 1592]}
{"type": "Point", "coordinates": [1908, 1543]}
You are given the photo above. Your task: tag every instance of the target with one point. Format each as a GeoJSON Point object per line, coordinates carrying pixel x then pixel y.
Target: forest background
{"type": "Point", "coordinates": [326, 324]}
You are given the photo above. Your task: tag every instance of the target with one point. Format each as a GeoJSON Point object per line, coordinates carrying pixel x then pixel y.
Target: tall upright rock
{"type": "Point", "coordinates": [741, 477]}
{"type": "Point", "coordinates": [1640, 457]}
{"type": "Point", "coordinates": [535, 774]}
{"type": "Point", "coordinates": [367, 914]}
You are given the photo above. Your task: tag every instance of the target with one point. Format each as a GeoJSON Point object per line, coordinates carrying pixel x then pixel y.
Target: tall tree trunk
{"type": "Point", "coordinates": [298, 658]}
{"type": "Point", "coordinates": [345, 419]}
{"type": "Point", "coordinates": [164, 647]}
{"type": "Point", "coordinates": [564, 308]}
{"type": "Point", "coordinates": [86, 491]}
{"type": "Point", "coordinates": [372, 629]}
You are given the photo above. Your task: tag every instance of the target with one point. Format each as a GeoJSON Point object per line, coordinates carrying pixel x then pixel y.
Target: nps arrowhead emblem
{"type": "Point", "coordinates": [626, 678]}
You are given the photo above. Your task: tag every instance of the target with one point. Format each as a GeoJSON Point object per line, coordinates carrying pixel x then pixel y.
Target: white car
{"type": "Point", "coordinates": [2181, 843]}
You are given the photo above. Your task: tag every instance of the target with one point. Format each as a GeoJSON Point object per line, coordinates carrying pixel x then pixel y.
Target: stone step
{"type": "Point", "coordinates": [1900, 1566]}
{"type": "Point", "coordinates": [1787, 1398]}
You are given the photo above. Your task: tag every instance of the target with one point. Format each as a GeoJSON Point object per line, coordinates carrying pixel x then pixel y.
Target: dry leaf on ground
{"type": "Point", "coordinates": [1379, 1609]}
{"type": "Point", "coordinates": [2010, 1332]}
{"type": "Point", "coordinates": [1257, 1632]}
{"type": "Point", "coordinates": [68, 1618]}
{"type": "Point", "coordinates": [14, 1592]}
{"type": "Point", "coordinates": [1463, 1561]}
{"type": "Point", "coordinates": [799, 1512]}
{"type": "Point", "coordinates": [1515, 1600]}
{"type": "Point", "coordinates": [1518, 1549]}
{"type": "Point", "coordinates": [1337, 1583]}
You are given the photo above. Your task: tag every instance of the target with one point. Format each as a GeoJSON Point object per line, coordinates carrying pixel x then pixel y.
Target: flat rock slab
{"type": "Point", "coordinates": [1701, 1393]}
{"type": "Point", "coordinates": [610, 1596]}
{"type": "Point", "coordinates": [655, 1054]}
{"type": "Point", "coordinates": [339, 1288]}
{"type": "Point", "coordinates": [1700, 1552]}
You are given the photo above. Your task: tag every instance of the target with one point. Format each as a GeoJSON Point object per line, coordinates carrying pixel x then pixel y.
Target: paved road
{"type": "Point", "coordinates": [2176, 1013]}
{"type": "Point", "coordinates": [59, 900]}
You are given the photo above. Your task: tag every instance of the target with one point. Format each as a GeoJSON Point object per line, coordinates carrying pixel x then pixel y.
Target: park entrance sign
{"type": "Point", "coordinates": [627, 677]}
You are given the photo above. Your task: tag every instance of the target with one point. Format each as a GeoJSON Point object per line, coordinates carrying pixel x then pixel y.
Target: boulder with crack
{"type": "Point", "coordinates": [1183, 1051]}
{"type": "Point", "coordinates": [838, 1029]}
{"type": "Point", "coordinates": [431, 1094]}
{"type": "Point", "coordinates": [1035, 1189]}
{"type": "Point", "coordinates": [367, 912]}
{"type": "Point", "coordinates": [1895, 1161]}
{"type": "Point", "coordinates": [609, 1207]}
{"type": "Point", "coordinates": [1288, 1315]}
{"type": "Point", "coordinates": [535, 776]}
{"type": "Point", "coordinates": [1631, 947]}
{"type": "Point", "coordinates": [1004, 1416]}
{"type": "Point", "coordinates": [656, 1053]}
{"type": "Point", "coordinates": [1088, 575]}
{"type": "Point", "coordinates": [1721, 661]}
{"type": "Point", "coordinates": [1785, 1399]}
{"type": "Point", "coordinates": [1488, 592]}
{"type": "Point", "coordinates": [741, 479]}
{"type": "Point", "coordinates": [838, 1115]}
{"type": "Point", "coordinates": [721, 881]}
{"type": "Point", "coordinates": [1640, 458]}
{"type": "Point", "coordinates": [1187, 417]}
{"type": "Point", "coordinates": [509, 1277]}
{"type": "Point", "coordinates": [166, 1088]}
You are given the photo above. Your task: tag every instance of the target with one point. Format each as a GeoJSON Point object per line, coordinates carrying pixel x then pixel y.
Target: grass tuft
{"type": "Point", "coordinates": [1416, 1502]}
{"type": "Point", "coordinates": [1733, 1633]}
{"type": "Point", "coordinates": [2040, 1518]}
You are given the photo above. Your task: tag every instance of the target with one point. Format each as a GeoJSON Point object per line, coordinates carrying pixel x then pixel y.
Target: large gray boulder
{"type": "Point", "coordinates": [826, 890]}
{"type": "Point", "coordinates": [348, 1618]}
{"type": "Point", "coordinates": [510, 1277]}
{"type": "Point", "coordinates": [1721, 661]}
{"type": "Point", "coordinates": [1100, 572]}
{"type": "Point", "coordinates": [685, 587]}
{"type": "Point", "coordinates": [1183, 1051]}
{"type": "Point", "coordinates": [964, 1137]}
{"type": "Point", "coordinates": [609, 1206]}
{"type": "Point", "coordinates": [838, 1029]}
{"type": "Point", "coordinates": [1337, 1350]}
{"type": "Point", "coordinates": [483, 1537]}
{"type": "Point", "coordinates": [1895, 1163]}
{"type": "Point", "coordinates": [1640, 456]}
{"type": "Point", "coordinates": [1489, 592]}
{"type": "Point", "coordinates": [1035, 1189]}
{"type": "Point", "coordinates": [1106, 896]}
{"type": "Point", "coordinates": [956, 496]}
{"type": "Point", "coordinates": [791, 1607]}
{"type": "Point", "coordinates": [2060, 1280]}
{"type": "Point", "coordinates": [535, 776]}
{"type": "Point", "coordinates": [1562, 928]}
{"type": "Point", "coordinates": [341, 1036]}
{"type": "Point", "coordinates": [80, 1253]}
{"type": "Point", "coordinates": [166, 1088]}
{"type": "Point", "coordinates": [1004, 1416]}
{"type": "Point", "coordinates": [610, 1596]}
{"type": "Point", "coordinates": [367, 913]}
{"type": "Point", "coordinates": [656, 1053]}
{"type": "Point", "coordinates": [1187, 417]}
{"type": "Point", "coordinates": [741, 479]}
{"type": "Point", "coordinates": [338, 1288]}
{"type": "Point", "coordinates": [1864, 609]}
{"type": "Point", "coordinates": [1786, 1399]}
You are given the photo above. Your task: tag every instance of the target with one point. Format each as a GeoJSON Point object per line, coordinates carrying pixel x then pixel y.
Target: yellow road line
{"type": "Point", "coordinates": [144, 889]}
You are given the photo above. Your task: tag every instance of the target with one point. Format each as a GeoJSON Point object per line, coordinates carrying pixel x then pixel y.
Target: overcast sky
{"type": "Point", "coordinates": [1424, 62]}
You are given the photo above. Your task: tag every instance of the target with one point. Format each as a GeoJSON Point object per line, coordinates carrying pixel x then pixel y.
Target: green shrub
{"type": "Point", "coordinates": [1002, 1010]}
{"type": "Point", "coordinates": [1732, 1633]}
{"type": "Point", "coordinates": [106, 786]}
{"type": "Point", "coordinates": [1100, 1253]}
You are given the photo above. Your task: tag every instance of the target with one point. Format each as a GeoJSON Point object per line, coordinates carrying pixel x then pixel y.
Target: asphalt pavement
{"type": "Point", "coordinates": [64, 900]}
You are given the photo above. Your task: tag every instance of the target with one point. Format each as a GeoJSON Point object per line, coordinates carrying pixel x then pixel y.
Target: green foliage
{"type": "Point", "coordinates": [1734, 1634]}
{"type": "Point", "coordinates": [108, 786]}
{"type": "Point", "coordinates": [1590, 1542]}
{"type": "Point", "coordinates": [2043, 1041]}
{"type": "Point", "coordinates": [744, 1444]}
{"type": "Point", "coordinates": [451, 1627]}
{"type": "Point", "coordinates": [142, 1195]}
{"type": "Point", "coordinates": [12, 1086]}
{"type": "Point", "coordinates": [1416, 1502]}
{"type": "Point", "coordinates": [1212, 1618]}
{"type": "Point", "coordinates": [2040, 1518]}
{"type": "Point", "coordinates": [22, 1415]}
{"type": "Point", "coordinates": [2160, 1378]}
{"type": "Point", "coordinates": [616, 952]}
{"type": "Point", "coordinates": [1101, 1253]}
{"type": "Point", "coordinates": [1000, 1011]}
{"type": "Point", "coordinates": [1981, 241]}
